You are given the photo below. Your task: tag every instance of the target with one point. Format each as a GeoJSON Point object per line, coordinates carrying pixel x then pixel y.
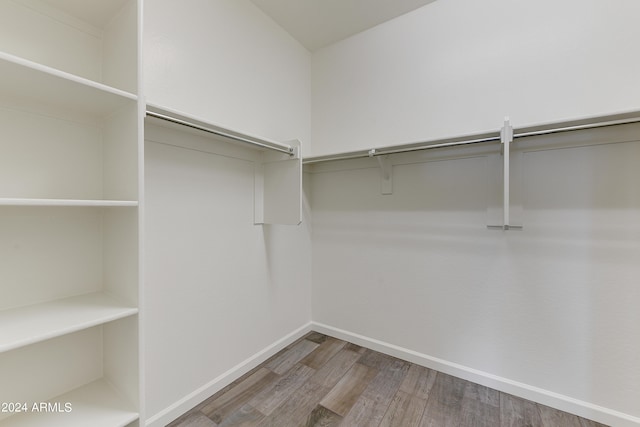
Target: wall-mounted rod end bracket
{"type": "Point", "coordinates": [294, 152]}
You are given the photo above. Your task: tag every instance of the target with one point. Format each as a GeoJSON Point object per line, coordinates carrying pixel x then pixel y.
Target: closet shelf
{"type": "Point", "coordinates": [632, 116]}
{"type": "Point", "coordinates": [171, 118]}
{"type": "Point", "coordinates": [96, 404]}
{"type": "Point", "coordinates": [31, 324]}
{"type": "Point", "coordinates": [67, 202]}
{"type": "Point", "coordinates": [23, 79]}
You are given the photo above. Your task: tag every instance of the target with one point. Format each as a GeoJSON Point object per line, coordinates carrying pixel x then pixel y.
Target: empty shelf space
{"type": "Point", "coordinates": [27, 325]}
{"type": "Point", "coordinates": [96, 404]}
{"type": "Point", "coordinates": [67, 202]}
{"type": "Point", "coordinates": [54, 88]}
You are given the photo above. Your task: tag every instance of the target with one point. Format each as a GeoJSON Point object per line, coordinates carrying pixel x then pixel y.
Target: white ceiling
{"type": "Point", "coordinates": [319, 23]}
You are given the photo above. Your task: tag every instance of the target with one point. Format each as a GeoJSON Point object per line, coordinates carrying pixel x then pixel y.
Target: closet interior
{"type": "Point", "coordinates": [186, 190]}
{"type": "Point", "coordinates": [69, 198]}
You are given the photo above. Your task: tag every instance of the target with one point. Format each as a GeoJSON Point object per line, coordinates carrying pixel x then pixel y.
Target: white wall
{"type": "Point", "coordinates": [551, 307]}
{"type": "Point", "coordinates": [459, 66]}
{"type": "Point", "coordinates": [549, 312]}
{"type": "Point", "coordinates": [227, 62]}
{"type": "Point", "coordinates": [219, 290]}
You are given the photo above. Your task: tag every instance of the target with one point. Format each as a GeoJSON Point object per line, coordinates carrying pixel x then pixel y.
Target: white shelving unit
{"type": "Point", "coordinates": [97, 403]}
{"type": "Point", "coordinates": [27, 79]}
{"type": "Point", "coordinates": [27, 325]}
{"type": "Point", "coordinates": [70, 120]}
{"type": "Point", "coordinates": [67, 202]}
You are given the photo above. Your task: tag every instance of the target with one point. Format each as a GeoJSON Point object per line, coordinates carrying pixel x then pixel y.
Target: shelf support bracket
{"type": "Point", "coordinates": [506, 138]}
{"type": "Point", "coordinates": [386, 169]}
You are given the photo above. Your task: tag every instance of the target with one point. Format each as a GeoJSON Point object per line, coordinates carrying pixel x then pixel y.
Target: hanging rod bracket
{"type": "Point", "coordinates": [506, 138]}
{"type": "Point", "coordinates": [386, 169]}
{"type": "Point", "coordinates": [294, 152]}
{"type": "Point", "coordinates": [506, 132]}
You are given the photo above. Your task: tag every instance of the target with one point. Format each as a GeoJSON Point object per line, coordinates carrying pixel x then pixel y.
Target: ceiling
{"type": "Point", "coordinates": [319, 23]}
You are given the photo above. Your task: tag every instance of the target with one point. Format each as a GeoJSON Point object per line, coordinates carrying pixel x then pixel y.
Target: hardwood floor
{"type": "Point", "coordinates": [321, 381]}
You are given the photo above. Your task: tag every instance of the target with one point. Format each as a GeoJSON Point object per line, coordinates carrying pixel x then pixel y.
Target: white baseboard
{"type": "Point", "coordinates": [183, 405]}
{"type": "Point", "coordinates": [545, 397]}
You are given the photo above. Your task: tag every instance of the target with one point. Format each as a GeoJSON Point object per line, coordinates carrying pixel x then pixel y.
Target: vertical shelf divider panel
{"type": "Point", "coordinates": [278, 191]}
{"type": "Point", "coordinates": [70, 191]}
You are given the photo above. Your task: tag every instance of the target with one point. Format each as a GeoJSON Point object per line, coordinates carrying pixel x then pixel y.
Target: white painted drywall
{"type": "Point", "coordinates": [459, 66]}
{"type": "Point", "coordinates": [218, 289]}
{"type": "Point", "coordinates": [227, 62]}
{"type": "Point", "coordinates": [554, 306]}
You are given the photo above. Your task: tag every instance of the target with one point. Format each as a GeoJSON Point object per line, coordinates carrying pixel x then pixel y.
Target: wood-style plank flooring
{"type": "Point", "coordinates": [323, 381]}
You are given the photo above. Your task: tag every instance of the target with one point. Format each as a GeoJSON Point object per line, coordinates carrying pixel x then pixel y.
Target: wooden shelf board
{"type": "Point", "coordinates": [54, 88]}
{"type": "Point", "coordinates": [66, 202]}
{"type": "Point", "coordinates": [27, 325]}
{"type": "Point", "coordinates": [96, 404]}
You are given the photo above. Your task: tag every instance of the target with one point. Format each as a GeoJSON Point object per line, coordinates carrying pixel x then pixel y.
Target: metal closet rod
{"type": "Point", "coordinates": [286, 149]}
{"type": "Point", "coordinates": [477, 140]}
{"type": "Point", "coordinates": [601, 124]}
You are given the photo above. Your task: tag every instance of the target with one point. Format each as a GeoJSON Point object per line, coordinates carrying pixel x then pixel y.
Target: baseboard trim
{"type": "Point", "coordinates": [183, 405]}
{"type": "Point", "coordinates": [555, 400]}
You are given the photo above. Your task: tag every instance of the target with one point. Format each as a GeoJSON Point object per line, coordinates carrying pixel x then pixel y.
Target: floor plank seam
{"type": "Point", "coordinates": [321, 381]}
